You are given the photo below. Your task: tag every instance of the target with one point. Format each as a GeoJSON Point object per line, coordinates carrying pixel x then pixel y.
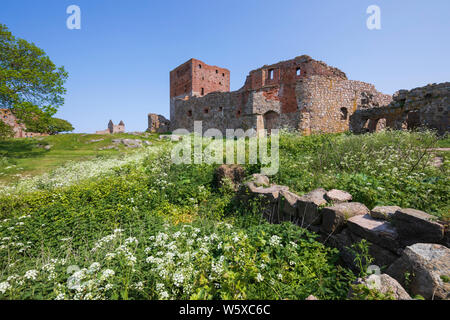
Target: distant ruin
{"type": "Point", "coordinates": [112, 128]}
{"type": "Point", "coordinates": [301, 93]}
{"type": "Point", "coordinates": [19, 129]}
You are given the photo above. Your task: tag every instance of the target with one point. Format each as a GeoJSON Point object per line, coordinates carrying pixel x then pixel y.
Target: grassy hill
{"type": "Point", "coordinates": [133, 225]}
{"type": "Point", "coordinates": [27, 157]}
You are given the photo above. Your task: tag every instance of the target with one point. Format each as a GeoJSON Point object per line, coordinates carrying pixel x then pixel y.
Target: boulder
{"type": "Point", "coordinates": [334, 218]}
{"type": "Point", "coordinates": [308, 208]}
{"type": "Point", "coordinates": [146, 142]}
{"type": "Point", "coordinates": [289, 205]}
{"type": "Point", "coordinates": [171, 137]}
{"type": "Point", "coordinates": [48, 147]}
{"type": "Point", "coordinates": [381, 257]}
{"type": "Point", "coordinates": [269, 199]}
{"type": "Point", "coordinates": [338, 196]}
{"type": "Point", "coordinates": [311, 297]}
{"type": "Point", "coordinates": [424, 269]}
{"type": "Point", "coordinates": [233, 172]}
{"type": "Point", "coordinates": [416, 226]}
{"type": "Point", "coordinates": [379, 232]}
{"type": "Point", "coordinates": [384, 212]}
{"type": "Point", "coordinates": [384, 284]}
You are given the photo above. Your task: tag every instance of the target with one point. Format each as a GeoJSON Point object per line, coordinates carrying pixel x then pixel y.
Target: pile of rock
{"type": "Point", "coordinates": [410, 244]}
{"type": "Point", "coordinates": [131, 143]}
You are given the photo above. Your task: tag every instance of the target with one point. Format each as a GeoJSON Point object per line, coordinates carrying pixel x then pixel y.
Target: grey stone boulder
{"type": "Point", "coordinates": [384, 284]}
{"type": "Point", "coordinates": [48, 147]}
{"type": "Point", "coordinates": [338, 196]}
{"type": "Point", "coordinates": [269, 199]}
{"type": "Point", "coordinates": [309, 208]}
{"type": "Point", "coordinates": [416, 226]}
{"type": "Point", "coordinates": [382, 257]}
{"type": "Point", "coordinates": [147, 143]}
{"type": "Point", "coordinates": [289, 205]}
{"type": "Point", "coordinates": [424, 269]}
{"type": "Point", "coordinates": [384, 212]}
{"type": "Point", "coordinates": [171, 137]}
{"type": "Point", "coordinates": [334, 218]}
{"type": "Point", "coordinates": [379, 232]}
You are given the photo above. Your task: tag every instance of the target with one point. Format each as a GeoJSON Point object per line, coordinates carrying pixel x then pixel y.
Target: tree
{"type": "Point", "coordinates": [5, 130]}
{"type": "Point", "coordinates": [31, 86]}
{"type": "Point", "coordinates": [57, 125]}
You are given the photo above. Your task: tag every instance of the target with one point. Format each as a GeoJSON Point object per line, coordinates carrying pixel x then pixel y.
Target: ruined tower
{"type": "Point", "coordinates": [195, 78]}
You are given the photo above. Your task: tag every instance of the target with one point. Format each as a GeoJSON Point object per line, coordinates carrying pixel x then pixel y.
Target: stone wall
{"type": "Point", "coordinates": [300, 93]}
{"type": "Point", "coordinates": [401, 241]}
{"type": "Point", "coordinates": [420, 107]}
{"type": "Point", "coordinates": [158, 123]}
{"type": "Point", "coordinates": [112, 128]}
{"type": "Point", "coordinates": [18, 128]}
{"type": "Point", "coordinates": [326, 103]}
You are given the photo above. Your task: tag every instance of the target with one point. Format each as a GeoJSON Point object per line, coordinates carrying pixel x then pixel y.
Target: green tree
{"type": "Point", "coordinates": [57, 125]}
{"type": "Point", "coordinates": [5, 130]}
{"type": "Point", "coordinates": [31, 85]}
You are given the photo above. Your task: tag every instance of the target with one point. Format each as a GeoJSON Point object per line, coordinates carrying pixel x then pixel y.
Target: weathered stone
{"type": "Point", "coordinates": [18, 127]}
{"type": "Point", "coordinates": [269, 199]}
{"type": "Point", "coordinates": [308, 208]}
{"type": "Point", "coordinates": [424, 269]}
{"type": "Point", "coordinates": [381, 257]}
{"type": "Point", "coordinates": [96, 140]}
{"type": "Point", "coordinates": [158, 123]}
{"type": "Point", "coordinates": [289, 205]}
{"type": "Point", "coordinates": [416, 226]}
{"type": "Point", "coordinates": [233, 172]}
{"type": "Point", "coordinates": [384, 212]}
{"type": "Point", "coordinates": [338, 196]}
{"type": "Point", "coordinates": [376, 231]}
{"type": "Point", "coordinates": [112, 128]}
{"type": "Point", "coordinates": [335, 218]}
{"type": "Point", "coordinates": [146, 142]}
{"type": "Point", "coordinates": [172, 137]}
{"type": "Point", "coordinates": [260, 180]}
{"type": "Point", "coordinates": [384, 284]}
{"type": "Point", "coordinates": [311, 297]}
{"type": "Point", "coordinates": [48, 147]}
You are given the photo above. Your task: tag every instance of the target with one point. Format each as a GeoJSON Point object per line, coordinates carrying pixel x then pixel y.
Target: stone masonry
{"type": "Point", "coordinates": [301, 93]}
{"type": "Point", "coordinates": [112, 128]}
{"type": "Point", "coordinates": [420, 107]}
{"type": "Point", "coordinates": [20, 130]}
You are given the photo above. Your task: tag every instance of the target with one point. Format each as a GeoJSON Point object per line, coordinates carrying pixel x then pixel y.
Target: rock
{"type": "Point", "coordinates": [146, 142]}
{"type": "Point", "coordinates": [234, 172]}
{"type": "Point", "coordinates": [334, 218]}
{"type": "Point", "coordinates": [416, 226]}
{"type": "Point", "coordinates": [311, 297]}
{"type": "Point", "coordinates": [171, 137]}
{"type": "Point", "coordinates": [384, 212]}
{"type": "Point", "coordinates": [96, 140]}
{"type": "Point", "coordinates": [338, 196]}
{"type": "Point", "coordinates": [381, 257]}
{"type": "Point", "coordinates": [384, 284]}
{"type": "Point", "coordinates": [48, 147]}
{"type": "Point", "coordinates": [260, 180]}
{"type": "Point", "coordinates": [108, 148]}
{"type": "Point", "coordinates": [308, 208]}
{"type": "Point", "coordinates": [379, 232]}
{"type": "Point", "coordinates": [269, 199]}
{"type": "Point", "coordinates": [424, 269]}
{"type": "Point", "coordinates": [289, 205]}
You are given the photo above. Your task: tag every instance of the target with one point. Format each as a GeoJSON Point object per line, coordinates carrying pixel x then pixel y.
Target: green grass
{"type": "Point", "coordinates": [23, 158]}
{"type": "Point", "coordinates": [181, 237]}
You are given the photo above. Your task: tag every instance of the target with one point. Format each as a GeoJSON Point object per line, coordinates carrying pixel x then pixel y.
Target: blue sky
{"type": "Point", "coordinates": [119, 61]}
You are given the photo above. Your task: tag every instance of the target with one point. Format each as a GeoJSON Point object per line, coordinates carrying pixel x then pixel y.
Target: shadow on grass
{"type": "Point", "coordinates": [20, 149]}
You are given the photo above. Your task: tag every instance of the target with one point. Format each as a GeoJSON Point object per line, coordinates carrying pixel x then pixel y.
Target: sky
{"type": "Point", "coordinates": [119, 61]}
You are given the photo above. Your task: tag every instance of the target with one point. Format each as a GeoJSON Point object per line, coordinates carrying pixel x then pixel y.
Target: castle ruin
{"type": "Point", "coordinates": [301, 93]}
{"type": "Point", "coordinates": [112, 128]}
{"type": "Point", "coordinates": [19, 129]}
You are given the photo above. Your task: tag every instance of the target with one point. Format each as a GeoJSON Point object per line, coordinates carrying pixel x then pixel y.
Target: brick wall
{"type": "Point", "coordinates": [18, 128]}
